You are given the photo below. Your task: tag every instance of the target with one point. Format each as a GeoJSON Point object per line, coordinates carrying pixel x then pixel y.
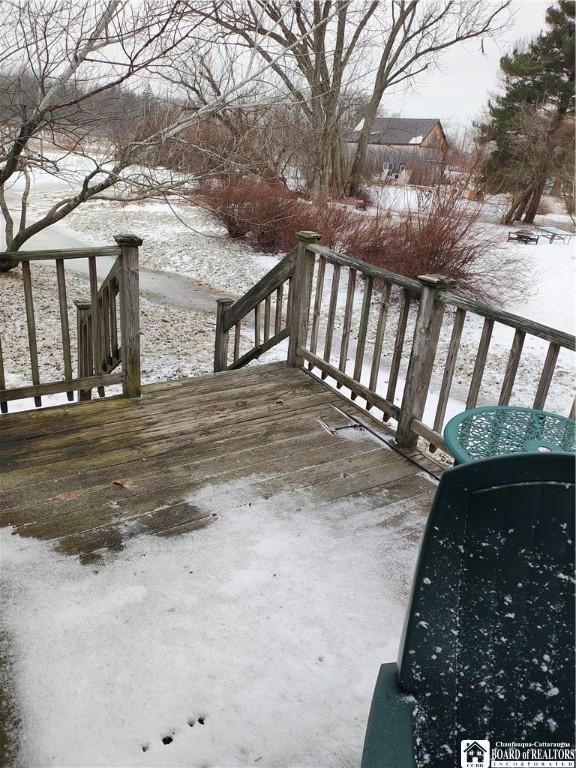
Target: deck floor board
{"type": "Point", "coordinates": [87, 477]}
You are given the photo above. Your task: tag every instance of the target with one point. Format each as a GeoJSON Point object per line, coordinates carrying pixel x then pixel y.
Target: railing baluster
{"type": "Point", "coordinates": [546, 377]}
{"type": "Point", "coordinates": [403, 312]}
{"type": "Point", "coordinates": [222, 336]}
{"type": "Point", "coordinates": [317, 305]}
{"type": "Point", "coordinates": [331, 315]}
{"type": "Point", "coordinates": [31, 324]}
{"type": "Point", "coordinates": [237, 331]}
{"type": "Point", "coordinates": [347, 327]}
{"type": "Point", "coordinates": [267, 312]}
{"type": "Point", "coordinates": [94, 316]}
{"type": "Point", "coordinates": [481, 356]}
{"type": "Point", "coordinates": [512, 367]}
{"type": "Point", "coordinates": [115, 348]}
{"type": "Point", "coordinates": [362, 331]}
{"type": "Point", "coordinates": [107, 332]}
{"type": "Point", "coordinates": [257, 314]}
{"type": "Point", "coordinates": [3, 403]}
{"type": "Point", "coordinates": [444, 396]}
{"type": "Point", "coordinates": [379, 338]}
{"type": "Point", "coordinates": [64, 326]}
{"type": "Point", "coordinates": [278, 313]}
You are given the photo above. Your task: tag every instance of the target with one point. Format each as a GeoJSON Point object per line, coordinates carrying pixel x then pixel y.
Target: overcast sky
{"type": "Point", "coordinates": [458, 92]}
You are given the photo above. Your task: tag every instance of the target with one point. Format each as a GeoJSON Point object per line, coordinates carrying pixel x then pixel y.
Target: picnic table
{"type": "Point", "coordinates": [553, 233]}
{"type": "Point", "coordinates": [523, 236]}
{"type": "Point", "coordinates": [480, 433]}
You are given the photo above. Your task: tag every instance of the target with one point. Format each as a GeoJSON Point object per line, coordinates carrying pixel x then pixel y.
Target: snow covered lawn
{"type": "Point", "coordinates": [255, 641]}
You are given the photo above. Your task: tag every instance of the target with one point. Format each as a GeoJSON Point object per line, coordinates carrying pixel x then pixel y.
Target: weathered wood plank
{"type": "Point", "coordinates": [3, 403]}
{"type": "Point", "coordinates": [545, 332]}
{"type": "Point", "coordinates": [130, 314]}
{"type": "Point", "coordinates": [403, 312]}
{"type": "Point", "coordinates": [363, 330]}
{"type": "Point", "coordinates": [347, 381]}
{"type": "Point", "coordinates": [331, 313]}
{"type": "Point", "coordinates": [347, 322]}
{"type": "Point", "coordinates": [64, 324]}
{"type": "Point", "coordinates": [480, 363]}
{"type": "Point", "coordinates": [267, 313]}
{"type": "Point", "coordinates": [68, 253]}
{"type": "Point", "coordinates": [221, 340]}
{"type": "Point", "coordinates": [301, 291]}
{"type": "Point", "coordinates": [422, 355]}
{"type": "Point", "coordinates": [237, 337]}
{"type": "Point", "coordinates": [546, 376]}
{"type": "Point", "coordinates": [259, 350]}
{"type": "Point", "coordinates": [379, 338]}
{"type": "Point", "coordinates": [55, 387]}
{"type": "Point", "coordinates": [269, 283]}
{"type": "Point", "coordinates": [511, 368]}
{"type": "Point", "coordinates": [31, 327]}
{"type": "Point", "coordinates": [449, 368]}
{"type": "Point", "coordinates": [279, 307]}
{"type": "Point", "coordinates": [317, 304]}
{"type": "Point", "coordinates": [367, 269]}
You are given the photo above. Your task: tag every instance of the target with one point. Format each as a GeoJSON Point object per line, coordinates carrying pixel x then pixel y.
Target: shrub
{"type": "Point", "coordinates": [250, 205]}
{"type": "Point", "coordinates": [441, 234]}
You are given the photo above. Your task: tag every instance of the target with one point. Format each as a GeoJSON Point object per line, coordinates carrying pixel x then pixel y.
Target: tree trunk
{"type": "Point", "coordinates": [520, 200]}
{"type": "Point", "coordinates": [532, 209]}
{"type": "Point", "coordinates": [520, 210]}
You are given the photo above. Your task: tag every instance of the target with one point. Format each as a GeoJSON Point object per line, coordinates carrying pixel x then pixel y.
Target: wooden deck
{"type": "Point", "coordinates": [87, 477]}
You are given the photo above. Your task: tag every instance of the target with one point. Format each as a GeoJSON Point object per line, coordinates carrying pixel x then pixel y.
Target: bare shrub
{"type": "Point", "coordinates": [440, 235]}
{"type": "Point", "coordinates": [252, 205]}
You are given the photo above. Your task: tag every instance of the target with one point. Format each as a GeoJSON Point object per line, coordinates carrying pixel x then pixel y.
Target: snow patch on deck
{"type": "Point", "coordinates": [255, 641]}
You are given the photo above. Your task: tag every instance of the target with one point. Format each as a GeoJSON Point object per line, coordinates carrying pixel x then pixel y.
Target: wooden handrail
{"type": "Point", "coordinates": [270, 291]}
{"type": "Point", "coordinates": [395, 317]}
{"type": "Point", "coordinates": [260, 291]}
{"type": "Point", "coordinates": [546, 332]}
{"type": "Point", "coordinates": [71, 253]}
{"type": "Point", "coordinates": [367, 269]}
{"type": "Point", "coordinates": [99, 352]}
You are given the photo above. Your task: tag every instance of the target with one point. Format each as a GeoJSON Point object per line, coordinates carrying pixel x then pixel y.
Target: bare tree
{"type": "Point", "coordinates": [326, 65]}
{"type": "Point", "coordinates": [540, 148]}
{"type": "Point", "coordinates": [67, 74]}
{"type": "Point", "coordinates": [66, 64]}
{"type": "Point", "coordinates": [415, 36]}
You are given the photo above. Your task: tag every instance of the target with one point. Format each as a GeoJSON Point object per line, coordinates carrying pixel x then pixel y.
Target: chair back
{"type": "Point", "coordinates": [488, 645]}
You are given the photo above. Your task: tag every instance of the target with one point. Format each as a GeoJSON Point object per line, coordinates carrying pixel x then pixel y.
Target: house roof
{"type": "Point", "coordinates": [397, 130]}
{"type": "Point", "coordinates": [475, 745]}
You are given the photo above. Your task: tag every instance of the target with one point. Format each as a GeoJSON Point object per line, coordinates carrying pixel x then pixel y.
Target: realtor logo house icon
{"type": "Point", "coordinates": [475, 754]}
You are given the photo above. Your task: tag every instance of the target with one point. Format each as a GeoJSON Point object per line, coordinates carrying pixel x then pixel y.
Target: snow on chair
{"type": "Point", "coordinates": [488, 646]}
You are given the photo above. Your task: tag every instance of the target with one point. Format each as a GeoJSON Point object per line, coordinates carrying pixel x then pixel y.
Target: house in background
{"type": "Point", "coordinates": [403, 149]}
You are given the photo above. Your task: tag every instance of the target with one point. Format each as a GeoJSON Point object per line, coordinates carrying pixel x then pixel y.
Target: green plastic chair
{"type": "Point", "coordinates": [488, 643]}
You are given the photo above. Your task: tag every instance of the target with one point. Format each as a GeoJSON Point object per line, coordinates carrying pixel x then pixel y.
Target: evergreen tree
{"type": "Point", "coordinates": [527, 122]}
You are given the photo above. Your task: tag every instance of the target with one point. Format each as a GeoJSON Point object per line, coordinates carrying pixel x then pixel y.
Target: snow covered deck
{"type": "Point", "coordinates": [248, 629]}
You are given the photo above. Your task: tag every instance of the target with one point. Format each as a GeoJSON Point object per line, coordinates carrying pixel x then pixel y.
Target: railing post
{"type": "Point", "coordinates": [300, 297]}
{"type": "Point", "coordinates": [129, 314]}
{"type": "Point", "coordinates": [221, 342]}
{"type": "Point", "coordinates": [84, 344]}
{"type": "Point", "coordinates": [425, 341]}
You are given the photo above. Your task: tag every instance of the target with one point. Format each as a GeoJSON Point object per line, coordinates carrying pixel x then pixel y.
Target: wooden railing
{"type": "Point", "coordinates": [107, 327]}
{"type": "Point", "coordinates": [268, 302]}
{"type": "Point", "coordinates": [387, 338]}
